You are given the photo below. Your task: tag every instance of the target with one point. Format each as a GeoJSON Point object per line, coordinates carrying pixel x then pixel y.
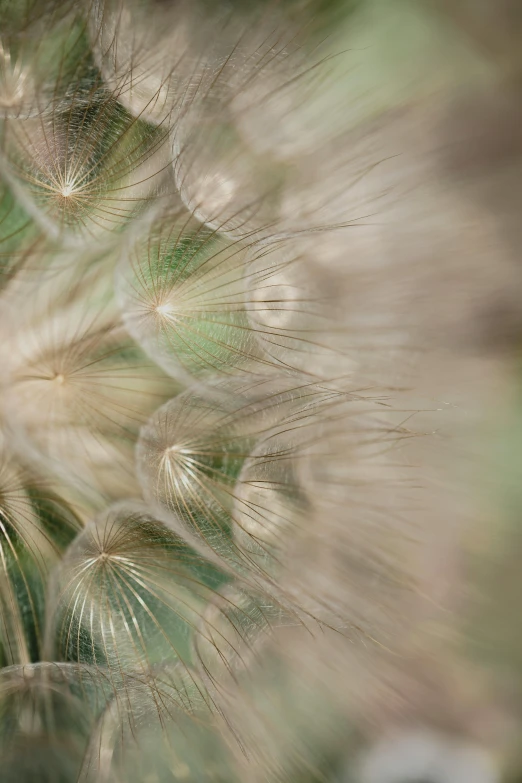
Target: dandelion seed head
{"type": "Point", "coordinates": [212, 155]}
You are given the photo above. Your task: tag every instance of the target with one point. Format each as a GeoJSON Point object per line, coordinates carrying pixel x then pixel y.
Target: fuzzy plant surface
{"type": "Point", "coordinates": [259, 392]}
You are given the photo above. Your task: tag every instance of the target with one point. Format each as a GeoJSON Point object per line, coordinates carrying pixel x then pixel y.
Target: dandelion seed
{"type": "Point", "coordinates": [189, 461]}
{"type": "Point", "coordinates": [87, 167]}
{"type": "Point", "coordinates": [74, 365]}
{"type": "Point", "coordinates": [201, 305]}
{"type": "Point", "coordinates": [183, 299]}
{"type": "Point", "coordinates": [126, 595]}
{"type": "Point", "coordinates": [188, 458]}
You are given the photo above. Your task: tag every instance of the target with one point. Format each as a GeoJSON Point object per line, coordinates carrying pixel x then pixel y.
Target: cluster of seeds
{"type": "Point", "coordinates": [219, 525]}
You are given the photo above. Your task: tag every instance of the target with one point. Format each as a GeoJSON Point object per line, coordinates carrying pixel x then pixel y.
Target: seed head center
{"type": "Point", "coordinates": [164, 309]}
{"type": "Point", "coordinates": [67, 191]}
